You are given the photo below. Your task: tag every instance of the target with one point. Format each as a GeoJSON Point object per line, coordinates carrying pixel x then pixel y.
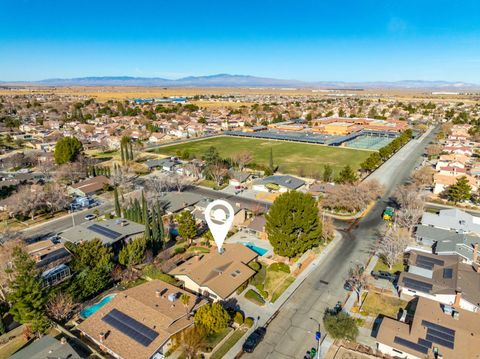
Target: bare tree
{"type": "Point", "coordinates": [328, 228]}
{"type": "Point", "coordinates": [423, 177]}
{"type": "Point", "coordinates": [242, 158]}
{"type": "Point", "coordinates": [412, 203]}
{"type": "Point", "coordinates": [179, 182]}
{"type": "Point", "coordinates": [192, 340]}
{"type": "Point", "coordinates": [122, 177]}
{"type": "Point", "coordinates": [392, 245]}
{"type": "Point", "coordinates": [434, 150]}
{"type": "Point", "coordinates": [358, 280]}
{"type": "Point", "coordinates": [352, 198]}
{"type": "Point", "coordinates": [218, 172]}
{"type": "Point", "coordinates": [71, 172]}
{"type": "Point", "coordinates": [60, 307]}
{"type": "Point", "coordinates": [194, 170]}
{"type": "Point", "coordinates": [27, 201]}
{"type": "Point", "coordinates": [6, 264]}
{"type": "Point", "coordinates": [55, 197]}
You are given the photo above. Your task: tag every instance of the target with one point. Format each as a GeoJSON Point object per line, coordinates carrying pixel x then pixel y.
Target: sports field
{"type": "Point", "coordinates": [291, 157]}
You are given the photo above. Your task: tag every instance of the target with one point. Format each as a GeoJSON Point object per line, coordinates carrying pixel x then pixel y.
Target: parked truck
{"type": "Point", "coordinates": [388, 213]}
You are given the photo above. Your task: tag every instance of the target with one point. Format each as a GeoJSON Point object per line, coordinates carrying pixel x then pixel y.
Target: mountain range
{"type": "Point", "coordinates": [227, 80]}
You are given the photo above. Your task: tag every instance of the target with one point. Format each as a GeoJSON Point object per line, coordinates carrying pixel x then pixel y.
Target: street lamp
{"type": "Point", "coordinates": [318, 335]}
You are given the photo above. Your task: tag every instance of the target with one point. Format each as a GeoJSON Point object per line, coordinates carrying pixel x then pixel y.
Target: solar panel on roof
{"type": "Point", "coordinates": [428, 260]}
{"type": "Point", "coordinates": [441, 335]}
{"type": "Point", "coordinates": [442, 342]}
{"type": "Point", "coordinates": [107, 232]}
{"type": "Point", "coordinates": [411, 345]}
{"type": "Point", "coordinates": [447, 273]}
{"type": "Point", "coordinates": [418, 285]}
{"type": "Point", "coordinates": [130, 327]}
{"type": "Point", "coordinates": [438, 327]}
{"type": "Point", "coordinates": [425, 343]}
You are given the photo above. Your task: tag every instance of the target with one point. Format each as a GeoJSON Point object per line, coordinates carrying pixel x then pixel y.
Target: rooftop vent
{"type": "Point", "coordinates": [172, 297]}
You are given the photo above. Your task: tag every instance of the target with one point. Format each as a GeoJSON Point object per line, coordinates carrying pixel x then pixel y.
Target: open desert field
{"type": "Point", "coordinates": [291, 157]}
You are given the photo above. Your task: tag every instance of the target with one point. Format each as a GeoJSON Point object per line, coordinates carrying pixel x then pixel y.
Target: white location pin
{"type": "Point", "coordinates": [219, 216]}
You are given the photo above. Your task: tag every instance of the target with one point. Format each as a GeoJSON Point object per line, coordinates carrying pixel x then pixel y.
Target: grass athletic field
{"type": "Point", "coordinates": [291, 157]}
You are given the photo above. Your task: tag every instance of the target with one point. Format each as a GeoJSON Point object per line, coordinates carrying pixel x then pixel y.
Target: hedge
{"type": "Point", "coordinates": [254, 297]}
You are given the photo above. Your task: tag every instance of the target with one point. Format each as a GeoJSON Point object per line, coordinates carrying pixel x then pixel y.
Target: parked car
{"type": "Point", "coordinates": [348, 286]}
{"type": "Point", "coordinates": [90, 217]}
{"type": "Point", "coordinates": [383, 275]}
{"type": "Point", "coordinates": [254, 339]}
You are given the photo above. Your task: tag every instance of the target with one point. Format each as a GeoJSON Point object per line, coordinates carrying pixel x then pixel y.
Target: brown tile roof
{"type": "Point", "coordinates": [143, 305]}
{"type": "Point", "coordinates": [91, 185]}
{"type": "Point", "coordinates": [221, 273]}
{"type": "Point", "coordinates": [466, 327]}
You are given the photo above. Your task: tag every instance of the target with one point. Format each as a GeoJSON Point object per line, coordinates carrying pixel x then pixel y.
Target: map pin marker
{"type": "Point", "coordinates": [219, 216]}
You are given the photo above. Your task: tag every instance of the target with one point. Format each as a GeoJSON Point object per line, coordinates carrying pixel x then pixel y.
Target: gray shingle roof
{"type": "Point", "coordinates": [287, 181]}
{"type": "Point", "coordinates": [452, 219]}
{"type": "Point", "coordinates": [46, 347]}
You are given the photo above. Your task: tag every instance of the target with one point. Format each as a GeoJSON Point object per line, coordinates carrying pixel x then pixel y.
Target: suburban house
{"type": "Point", "coordinates": [165, 164]}
{"type": "Point", "coordinates": [112, 232]}
{"type": "Point", "coordinates": [51, 260]}
{"type": "Point", "coordinates": [89, 186]}
{"type": "Point", "coordinates": [140, 322]}
{"type": "Point", "coordinates": [447, 242]}
{"type": "Point", "coordinates": [444, 279]}
{"type": "Point", "coordinates": [216, 275]}
{"type": "Point", "coordinates": [257, 227]}
{"type": "Point", "coordinates": [174, 202]}
{"type": "Point", "coordinates": [47, 347]}
{"type": "Point", "coordinates": [237, 178]}
{"type": "Point", "coordinates": [452, 219]}
{"type": "Point", "coordinates": [436, 331]}
{"type": "Point", "coordinates": [239, 216]}
{"type": "Point", "coordinates": [278, 183]}
{"type": "Point", "coordinates": [443, 180]}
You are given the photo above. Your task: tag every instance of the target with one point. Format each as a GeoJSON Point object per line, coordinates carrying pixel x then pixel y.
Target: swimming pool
{"type": "Point", "coordinates": [259, 250]}
{"type": "Point", "coordinates": [88, 311]}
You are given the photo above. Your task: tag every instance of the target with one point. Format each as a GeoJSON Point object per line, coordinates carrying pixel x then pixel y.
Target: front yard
{"type": "Point", "coordinates": [270, 281]}
{"type": "Point", "coordinates": [381, 266]}
{"type": "Point", "coordinates": [377, 304]}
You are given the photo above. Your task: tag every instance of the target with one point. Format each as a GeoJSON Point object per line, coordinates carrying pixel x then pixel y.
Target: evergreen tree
{"type": "Point", "coordinates": [92, 264]}
{"type": "Point", "coordinates": [327, 173]}
{"type": "Point", "coordinates": [460, 191]}
{"type": "Point", "coordinates": [212, 318]}
{"type": "Point", "coordinates": [346, 175]}
{"type": "Point", "coordinates": [133, 253]}
{"type": "Point", "coordinates": [187, 227]}
{"type": "Point", "coordinates": [122, 152]}
{"type": "Point", "coordinates": [270, 161]}
{"type": "Point", "coordinates": [27, 297]}
{"type": "Point", "coordinates": [131, 151]}
{"type": "Point", "coordinates": [67, 149]}
{"type": "Point", "coordinates": [118, 212]}
{"type": "Point", "coordinates": [293, 225]}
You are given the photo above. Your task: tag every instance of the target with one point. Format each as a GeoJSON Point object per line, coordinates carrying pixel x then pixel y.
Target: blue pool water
{"type": "Point", "coordinates": [88, 311]}
{"type": "Point", "coordinates": [259, 250]}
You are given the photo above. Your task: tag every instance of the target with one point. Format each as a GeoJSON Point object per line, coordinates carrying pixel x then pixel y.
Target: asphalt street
{"type": "Point", "coordinates": [291, 333]}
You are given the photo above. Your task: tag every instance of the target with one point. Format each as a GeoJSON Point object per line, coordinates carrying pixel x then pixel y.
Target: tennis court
{"type": "Point", "coordinates": [366, 142]}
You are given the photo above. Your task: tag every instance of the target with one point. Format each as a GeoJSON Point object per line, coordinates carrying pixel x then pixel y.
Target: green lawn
{"type": "Point", "coordinates": [398, 267]}
{"type": "Point", "coordinates": [291, 157]}
{"type": "Point", "coordinates": [212, 340]}
{"type": "Point", "coordinates": [229, 343]}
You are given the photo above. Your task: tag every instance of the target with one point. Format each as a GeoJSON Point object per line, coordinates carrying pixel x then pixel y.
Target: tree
{"type": "Point", "coordinates": [412, 203]}
{"type": "Point", "coordinates": [423, 177]}
{"type": "Point", "coordinates": [372, 162]}
{"type": "Point", "coordinates": [67, 150]}
{"type": "Point", "coordinates": [92, 263]}
{"type": "Point", "coordinates": [352, 198]}
{"type": "Point", "coordinates": [218, 171]}
{"type": "Point", "coordinates": [460, 191]}
{"type": "Point", "coordinates": [242, 158]}
{"type": "Point", "coordinates": [211, 156]}
{"type": "Point", "coordinates": [271, 166]}
{"type": "Point", "coordinates": [327, 173]}
{"type": "Point", "coordinates": [118, 210]}
{"type": "Point", "coordinates": [192, 340]}
{"type": "Point", "coordinates": [293, 225]}
{"type": "Point", "coordinates": [187, 227]}
{"type": "Point", "coordinates": [346, 175]}
{"type": "Point", "coordinates": [9, 241]}
{"type": "Point", "coordinates": [392, 245]}
{"type": "Point", "coordinates": [133, 253]}
{"type": "Point", "coordinates": [28, 298]}
{"type": "Point", "coordinates": [434, 150]}
{"type": "Point", "coordinates": [341, 326]}
{"type": "Point", "coordinates": [358, 280]}
{"type": "Point", "coordinates": [60, 306]}
{"type": "Point", "coordinates": [212, 318]}
{"type": "Point", "coordinates": [185, 299]}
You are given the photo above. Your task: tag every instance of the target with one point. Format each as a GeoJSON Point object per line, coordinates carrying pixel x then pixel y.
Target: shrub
{"type": "Point", "coordinates": [249, 322]}
{"type": "Point", "coordinates": [254, 297]}
{"type": "Point", "coordinates": [238, 318]}
{"type": "Point", "coordinates": [259, 277]}
{"type": "Point", "coordinates": [242, 288]}
{"type": "Point", "coordinates": [255, 266]}
{"type": "Point", "coordinates": [155, 273]}
{"type": "Point", "coordinates": [262, 291]}
{"type": "Point", "coordinates": [179, 250]}
{"type": "Point", "coordinates": [280, 267]}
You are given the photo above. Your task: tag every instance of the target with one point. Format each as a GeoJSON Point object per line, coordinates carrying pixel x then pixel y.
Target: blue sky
{"type": "Point", "coordinates": [356, 40]}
